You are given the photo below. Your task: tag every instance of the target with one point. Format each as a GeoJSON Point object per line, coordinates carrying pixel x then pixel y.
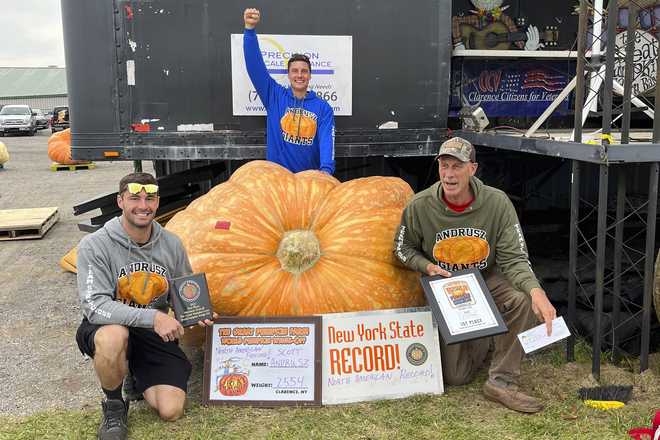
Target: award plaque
{"type": "Point", "coordinates": [190, 299]}
{"type": "Point", "coordinates": [462, 306]}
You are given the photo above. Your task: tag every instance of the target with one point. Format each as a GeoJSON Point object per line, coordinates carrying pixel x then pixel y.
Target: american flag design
{"type": "Point", "coordinates": [512, 88]}
{"type": "Point", "coordinates": [512, 81]}
{"type": "Point", "coordinates": [541, 79]}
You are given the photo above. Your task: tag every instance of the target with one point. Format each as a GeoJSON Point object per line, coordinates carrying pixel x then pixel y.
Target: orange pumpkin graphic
{"type": "Point", "coordinates": [459, 293]}
{"type": "Point", "coordinates": [298, 125]}
{"type": "Point", "coordinates": [141, 287]}
{"type": "Point", "coordinates": [233, 385]}
{"type": "Point", "coordinates": [461, 250]}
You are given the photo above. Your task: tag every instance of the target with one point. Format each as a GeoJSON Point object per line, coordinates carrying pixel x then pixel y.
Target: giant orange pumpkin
{"type": "Point", "coordinates": [276, 243]}
{"type": "Point", "coordinates": [59, 148]}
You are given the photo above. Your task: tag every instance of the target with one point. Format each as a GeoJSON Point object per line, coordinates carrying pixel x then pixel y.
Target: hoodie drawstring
{"type": "Point", "coordinates": [300, 109]}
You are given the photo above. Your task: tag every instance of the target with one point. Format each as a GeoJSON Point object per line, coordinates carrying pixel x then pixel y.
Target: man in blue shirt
{"type": "Point", "coordinates": [300, 128]}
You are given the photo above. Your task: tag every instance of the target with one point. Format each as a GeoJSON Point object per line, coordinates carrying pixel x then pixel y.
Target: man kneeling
{"type": "Point", "coordinates": [440, 229]}
{"type": "Point", "coordinates": [124, 273]}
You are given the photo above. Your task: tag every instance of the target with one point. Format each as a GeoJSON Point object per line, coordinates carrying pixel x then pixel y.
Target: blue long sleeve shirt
{"type": "Point", "coordinates": [300, 133]}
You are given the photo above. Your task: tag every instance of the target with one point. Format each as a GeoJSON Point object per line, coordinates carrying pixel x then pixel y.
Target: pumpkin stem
{"type": "Point", "coordinates": [299, 251]}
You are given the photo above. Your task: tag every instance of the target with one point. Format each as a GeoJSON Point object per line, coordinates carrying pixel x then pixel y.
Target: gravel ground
{"type": "Point", "coordinates": [40, 365]}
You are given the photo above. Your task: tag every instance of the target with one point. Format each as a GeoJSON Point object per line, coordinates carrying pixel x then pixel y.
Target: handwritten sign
{"type": "Point", "coordinates": [263, 361]}
{"type": "Point", "coordinates": [645, 55]}
{"type": "Point", "coordinates": [385, 354]}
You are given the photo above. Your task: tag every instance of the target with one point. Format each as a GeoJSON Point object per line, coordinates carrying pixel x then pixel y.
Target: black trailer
{"type": "Point", "coordinates": [117, 52]}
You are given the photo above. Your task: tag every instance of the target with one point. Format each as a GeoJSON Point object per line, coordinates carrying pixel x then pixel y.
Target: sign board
{"type": "Point", "coordinates": [385, 354]}
{"type": "Point", "coordinates": [331, 57]}
{"type": "Point", "coordinates": [263, 361]}
{"type": "Point", "coordinates": [518, 88]}
{"type": "Point", "coordinates": [645, 61]}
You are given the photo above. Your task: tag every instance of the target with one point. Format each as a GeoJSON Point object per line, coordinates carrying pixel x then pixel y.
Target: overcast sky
{"type": "Point", "coordinates": [31, 33]}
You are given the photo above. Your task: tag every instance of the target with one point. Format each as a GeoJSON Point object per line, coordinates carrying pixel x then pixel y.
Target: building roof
{"type": "Point", "coordinates": [32, 81]}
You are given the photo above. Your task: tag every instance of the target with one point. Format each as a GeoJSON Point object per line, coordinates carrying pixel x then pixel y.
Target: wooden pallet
{"type": "Point", "coordinates": [79, 166]}
{"type": "Point", "coordinates": [23, 224]}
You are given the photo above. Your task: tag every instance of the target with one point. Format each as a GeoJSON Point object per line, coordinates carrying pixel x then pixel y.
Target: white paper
{"type": "Point", "coordinates": [130, 72]}
{"type": "Point", "coordinates": [537, 337]}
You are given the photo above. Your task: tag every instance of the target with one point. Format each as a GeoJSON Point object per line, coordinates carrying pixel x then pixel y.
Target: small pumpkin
{"type": "Point", "coordinates": [59, 148]}
{"type": "Point", "coordinates": [69, 260]}
{"type": "Point", "coordinates": [4, 153]}
{"type": "Point", "coordinates": [276, 243]}
{"type": "Point", "coordinates": [298, 125]}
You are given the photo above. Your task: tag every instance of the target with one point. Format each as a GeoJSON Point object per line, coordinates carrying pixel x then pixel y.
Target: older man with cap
{"type": "Point", "coordinates": [440, 229]}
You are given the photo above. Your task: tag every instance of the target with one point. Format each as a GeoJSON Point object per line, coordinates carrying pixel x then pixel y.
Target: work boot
{"type": "Point", "coordinates": [130, 393]}
{"type": "Point", "coordinates": [114, 425]}
{"type": "Point", "coordinates": [511, 398]}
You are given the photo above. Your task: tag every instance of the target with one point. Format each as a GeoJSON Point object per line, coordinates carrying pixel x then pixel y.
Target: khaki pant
{"type": "Point", "coordinates": [460, 362]}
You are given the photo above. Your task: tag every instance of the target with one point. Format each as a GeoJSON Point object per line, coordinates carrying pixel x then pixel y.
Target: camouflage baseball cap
{"type": "Point", "coordinates": [459, 148]}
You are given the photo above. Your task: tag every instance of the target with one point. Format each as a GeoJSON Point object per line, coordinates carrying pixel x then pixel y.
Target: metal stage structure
{"type": "Point", "coordinates": [609, 158]}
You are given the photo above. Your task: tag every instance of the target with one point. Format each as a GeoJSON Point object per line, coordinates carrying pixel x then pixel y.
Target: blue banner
{"type": "Point", "coordinates": [512, 87]}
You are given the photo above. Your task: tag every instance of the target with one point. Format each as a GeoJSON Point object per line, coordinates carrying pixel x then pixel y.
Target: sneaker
{"type": "Point", "coordinates": [114, 425]}
{"type": "Point", "coordinates": [512, 398]}
{"type": "Point", "coordinates": [130, 394]}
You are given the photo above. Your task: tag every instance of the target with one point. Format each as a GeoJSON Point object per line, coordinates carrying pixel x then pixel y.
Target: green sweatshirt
{"type": "Point", "coordinates": [486, 236]}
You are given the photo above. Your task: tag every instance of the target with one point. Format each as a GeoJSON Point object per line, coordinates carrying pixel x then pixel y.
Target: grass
{"type": "Point", "coordinates": [461, 413]}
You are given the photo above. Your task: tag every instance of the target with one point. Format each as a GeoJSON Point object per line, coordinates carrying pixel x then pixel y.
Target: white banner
{"type": "Point", "coordinates": [331, 57]}
{"type": "Point", "coordinates": [385, 354]}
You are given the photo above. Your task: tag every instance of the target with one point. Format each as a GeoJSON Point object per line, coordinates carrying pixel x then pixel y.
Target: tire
{"type": "Point", "coordinates": [32, 132]}
{"type": "Point", "coordinates": [52, 130]}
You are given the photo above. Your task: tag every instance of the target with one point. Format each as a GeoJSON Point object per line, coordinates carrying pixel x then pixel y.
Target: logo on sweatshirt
{"type": "Point", "coordinates": [461, 248]}
{"type": "Point", "coordinates": [298, 126]}
{"type": "Point", "coordinates": [140, 283]}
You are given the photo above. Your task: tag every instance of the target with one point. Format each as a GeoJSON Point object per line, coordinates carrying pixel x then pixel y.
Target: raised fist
{"type": "Point", "coordinates": [251, 17]}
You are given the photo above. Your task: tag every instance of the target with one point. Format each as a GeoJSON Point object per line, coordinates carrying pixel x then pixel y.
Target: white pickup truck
{"type": "Point", "coordinates": [18, 119]}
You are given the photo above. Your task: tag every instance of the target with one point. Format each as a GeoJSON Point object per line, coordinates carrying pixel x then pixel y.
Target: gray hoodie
{"type": "Point", "coordinates": [120, 282]}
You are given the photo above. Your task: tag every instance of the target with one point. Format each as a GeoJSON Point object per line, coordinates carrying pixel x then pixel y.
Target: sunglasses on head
{"type": "Point", "coordinates": [136, 188]}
